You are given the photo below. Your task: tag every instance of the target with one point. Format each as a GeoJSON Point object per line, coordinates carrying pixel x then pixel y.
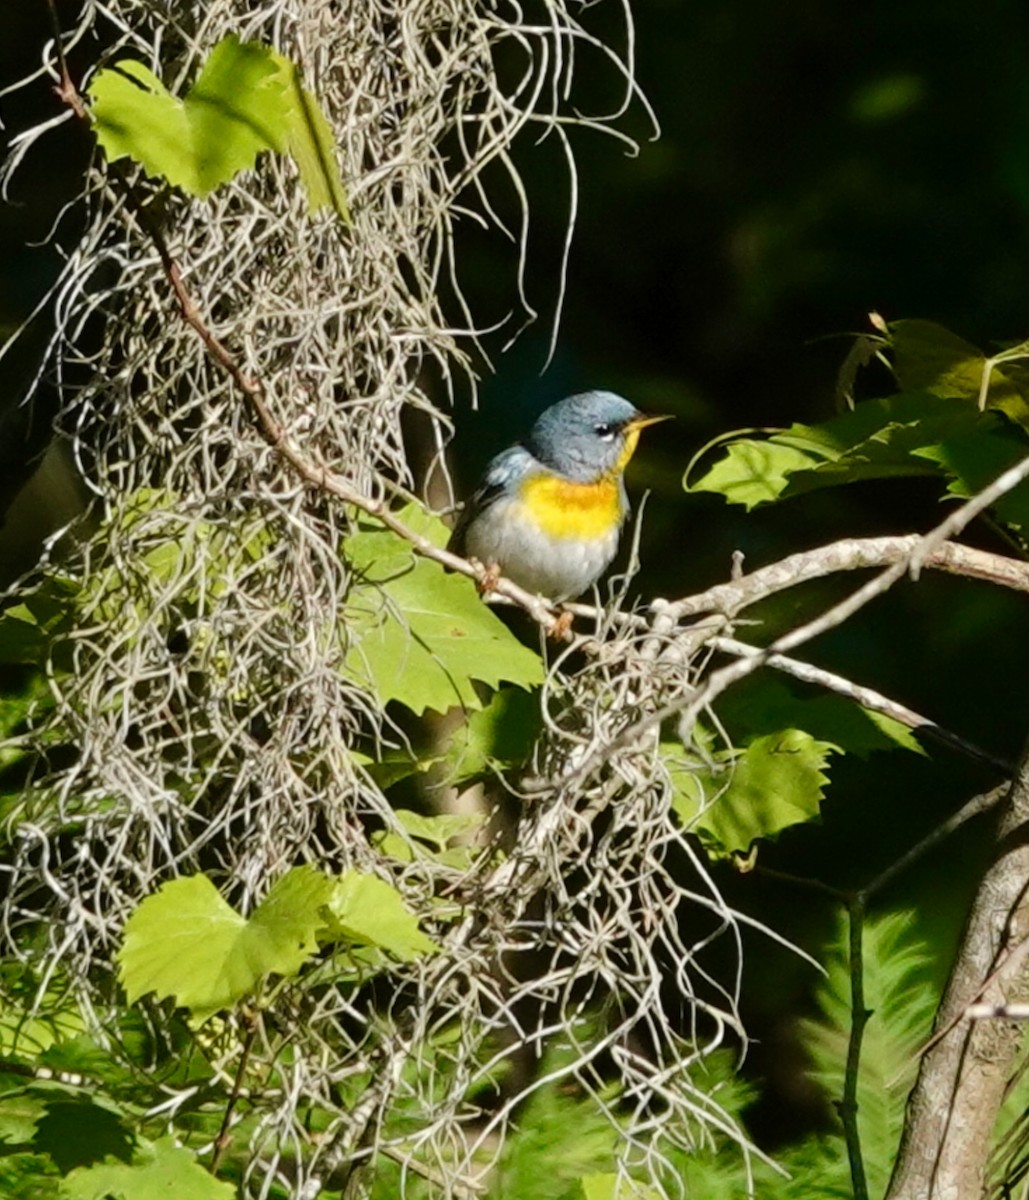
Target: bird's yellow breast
{"type": "Point", "coordinates": [564, 509]}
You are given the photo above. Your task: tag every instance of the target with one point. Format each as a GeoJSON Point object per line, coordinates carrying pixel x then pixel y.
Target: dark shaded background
{"type": "Point", "coordinates": [817, 161]}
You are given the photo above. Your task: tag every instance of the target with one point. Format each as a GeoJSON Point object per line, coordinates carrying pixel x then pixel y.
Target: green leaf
{"type": "Point", "coordinates": [162, 1171]}
{"type": "Point", "coordinates": [605, 1186]}
{"type": "Point", "coordinates": [752, 472]}
{"type": "Point", "coordinates": [973, 461]}
{"type": "Point", "coordinates": [246, 100]}
{"type": "Point", "coordinates": [186, 942]}
{"type": "Point", "coordinates": [878, 439]}
{"type": "Point", "coordinates": [497, 737]}
{"type": "Point", "coordinates": [422, 636]}
{"type": "Point", "coordinates": [312, 145]}
{"type": "Point", "coordinates": [765, 705]}
{"type": "Point", "coordinates": [231, 114]}
{"type": "Point", "coordinates": [16, 708]}
{"type": "Point", "coordinates": [75, 1132]}
{"type": "Point", "coordinates": [367, 911]}
{"type": "Point", "coordinates": [775, 782]}
{"type": "Point", "coordinates": [441, 829]}
{"type": "Point", "coordinates": [930, 358]}
{"type": "Point", "coordinates": [438, 831]}
{"type": "Point", "coordinates": [28, 629]}
{"type": "Point", "coordinates": [25, 1034]}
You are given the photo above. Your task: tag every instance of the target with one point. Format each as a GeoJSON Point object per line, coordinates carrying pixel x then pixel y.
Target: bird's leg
{"type": "Point", "coordinates": [488, 582]}
{"type": "Point", "coordinates": [562, 623]}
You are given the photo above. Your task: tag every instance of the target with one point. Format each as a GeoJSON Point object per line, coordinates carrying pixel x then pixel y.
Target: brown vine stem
{"type": "Point", "coordinates": [66, 91]}
{"type": "Point", "coordinates": [251, 1018]}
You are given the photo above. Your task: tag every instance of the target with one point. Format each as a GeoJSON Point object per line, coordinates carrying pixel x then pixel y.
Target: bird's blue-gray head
{"type": "Point", "coordinates": [588, 436]}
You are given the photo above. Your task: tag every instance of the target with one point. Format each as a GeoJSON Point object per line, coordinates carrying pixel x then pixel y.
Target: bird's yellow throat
{"type": "Point", "coordinates": [565, 509]}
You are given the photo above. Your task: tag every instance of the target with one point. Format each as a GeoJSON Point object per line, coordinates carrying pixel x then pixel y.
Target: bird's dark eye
{"type": "Point", "coordinates": [605, 432]}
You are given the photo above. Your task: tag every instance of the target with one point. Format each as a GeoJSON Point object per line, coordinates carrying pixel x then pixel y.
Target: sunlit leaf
{"type": "Point", "coordinates": [161, 1171]}
{"type": "Point", "coordinates": [422, 636]}
{"type": "Point", "coordinates": [368, 911]}
{"type": "Point", "coordinates": [930, 358]}
{"type": "Point", "coordinates": [778, 780]}
{"type": "Point", "coordinates": [247, 99]}
{"type": "Point", "coordinates": [878, 439]}
{"type": "Point", "coordinates": [187, 943]}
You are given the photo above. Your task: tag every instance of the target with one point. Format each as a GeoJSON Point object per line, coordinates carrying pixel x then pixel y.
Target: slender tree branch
{"type": "Point", "coordinates": [851, 554]}
{"type": "Point", "coordinates": [867, 698]}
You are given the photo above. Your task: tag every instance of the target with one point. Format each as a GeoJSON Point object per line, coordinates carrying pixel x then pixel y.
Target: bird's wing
{"type": "Point", "coordinates": [509, 465]}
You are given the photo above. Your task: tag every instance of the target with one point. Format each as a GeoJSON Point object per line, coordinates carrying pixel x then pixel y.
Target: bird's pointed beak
{"type": "Point", "coordinates": [645, 419]}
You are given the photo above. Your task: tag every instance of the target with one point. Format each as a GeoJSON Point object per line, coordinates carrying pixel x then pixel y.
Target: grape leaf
{"type": "Point", "coordinates": [368, 911]}
{"type": "Point", "coordinates": [422, 636]}
{"type": "Point", "coordinates": [246, 100]}
{"type": "Point", "coordinates": [499, 736]}
{"type": "Point", "coordinates": [778, 780]}
{"type": "Point", "coordinates": [972, 462]}
{"type": "Point", "coordinates": [608, 1186]}
{"type": "Point", "coordinates": [186, 942]}
{"type": "Point", "coordinates": [928, 357]}
{"type": "Point", "coordinates": [877, 439]}
{"type": "Point", "coordinates": [765, 705]}
{"type": "Point", "coordinates": [158, 1171]}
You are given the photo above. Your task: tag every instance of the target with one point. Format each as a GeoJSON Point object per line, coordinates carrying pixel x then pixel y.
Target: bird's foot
{"type": "Point", "coordinates": [562, 623]}
{"type": "Point", "coordinates": [490, 579]}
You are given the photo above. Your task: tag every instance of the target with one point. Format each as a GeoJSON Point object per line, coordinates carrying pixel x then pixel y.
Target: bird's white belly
{"type": "Point", "coordinates": [559, 568]}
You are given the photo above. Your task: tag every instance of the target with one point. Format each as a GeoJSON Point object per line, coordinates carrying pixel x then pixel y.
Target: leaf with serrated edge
{"type": "Point", "coordinates": [878, 439]}
{"type": "Point", "coordinates": [775, 782]}
{"type": "Point", "coordinates": [439, 829]}
{"type": "Point", "coordinates": [232, 113]}
{"type": "Point", "coordinates": [423, 637]}
{"type": "Point", "coordinates": [246, 100]}
{"type": "Point", "coordinates": [158, 1172]}
{"type": "Point", "coordinates": [368, 911]}
{"type": "Point", "coordinates": [187, 943]}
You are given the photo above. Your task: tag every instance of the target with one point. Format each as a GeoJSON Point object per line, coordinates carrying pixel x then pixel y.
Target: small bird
{"type": "Point", "coordinates": [549, 510]}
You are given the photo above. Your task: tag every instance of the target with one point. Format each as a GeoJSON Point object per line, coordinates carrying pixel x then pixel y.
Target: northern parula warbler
{"type": "Point", "coordinates": [549, 510]}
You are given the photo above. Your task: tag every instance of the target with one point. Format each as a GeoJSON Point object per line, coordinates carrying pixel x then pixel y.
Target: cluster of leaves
{"type": "Point", "coordinates": [959, 415]}
{"type": "Point", "coordinates": [77, 1140]}
{"type": "Point", "coordinates": [247, 99]}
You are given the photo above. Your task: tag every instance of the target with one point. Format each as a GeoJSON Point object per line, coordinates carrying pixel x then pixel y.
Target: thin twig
{"type": "Point", "coordinates": [974, 808]}
{"type": "Point", "coordinates": [251, 1023]}
{"type": "Point", "coordinates": [867, 698]}
{"type": "Point", "coordinates": [848, 1106]}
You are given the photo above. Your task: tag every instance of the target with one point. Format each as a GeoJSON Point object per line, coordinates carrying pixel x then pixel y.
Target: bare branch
{"type": "Point", "coordinates": [866, 697]}
{"type": "Point", "coordinates": [852, 554]}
